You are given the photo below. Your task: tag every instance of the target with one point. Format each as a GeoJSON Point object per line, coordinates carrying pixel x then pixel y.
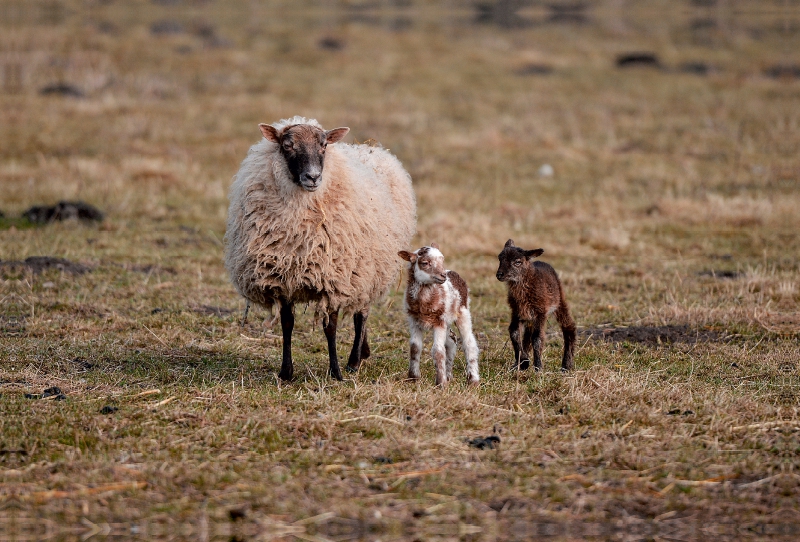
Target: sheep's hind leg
{"type": "Point", "coordinates": [470, 346]}
{"type": "Point", "coordinates": [330, 334]}
{"type": "Point", "coordinates": [569, 331]}
{"type": "Point", "coordinates": [360, 345]}
{"type": "Point", "coordinates": [287, 325]}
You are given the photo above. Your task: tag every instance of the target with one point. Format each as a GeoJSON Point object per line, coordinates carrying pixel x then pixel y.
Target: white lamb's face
{"type": "Point", "coordinates": [429, 266]}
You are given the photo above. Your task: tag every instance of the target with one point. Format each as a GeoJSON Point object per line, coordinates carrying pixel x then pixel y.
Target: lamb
{"type": "Point", "coordinates": [534, 292]}
{"type": "Point", "coordinates": [435, 298]}
{"type": "Point", "coordinates": [313, 222]}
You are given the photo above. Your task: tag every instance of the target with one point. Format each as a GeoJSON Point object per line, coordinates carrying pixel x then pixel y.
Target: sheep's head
{"type": "Point", "coordinates": [303, 147]}
{"type": "Point", "coordinates": [514, 261]}
{"type": "Point", "coordinates": [427, 264]}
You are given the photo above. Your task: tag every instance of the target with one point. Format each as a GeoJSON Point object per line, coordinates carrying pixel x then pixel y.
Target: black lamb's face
{"type": "Point", "coordinates": [514, 261]}
{"type": "Point", "coordinates": [303, 147]}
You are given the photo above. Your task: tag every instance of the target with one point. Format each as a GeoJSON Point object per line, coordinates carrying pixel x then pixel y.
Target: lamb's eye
{"type": "Point", "coordinates": [423, 264]}
{"type": "Point", "coordinates": [517, 263]}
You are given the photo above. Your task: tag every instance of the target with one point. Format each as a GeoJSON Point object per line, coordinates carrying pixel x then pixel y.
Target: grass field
{"type": "Point", "coordinates": [672, 218]}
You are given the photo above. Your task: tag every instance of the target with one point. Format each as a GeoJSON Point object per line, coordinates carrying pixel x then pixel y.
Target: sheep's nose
{"type": "Point", "coordinates": [312, 176]}
{"type": "Point", "coordinates": [499, 275]}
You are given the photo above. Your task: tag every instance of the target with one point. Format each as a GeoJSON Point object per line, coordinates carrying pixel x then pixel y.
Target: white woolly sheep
{"type": "Point", "coordinates": [301, 233]}
{"type": "Point", "coordinates": [435, 299]}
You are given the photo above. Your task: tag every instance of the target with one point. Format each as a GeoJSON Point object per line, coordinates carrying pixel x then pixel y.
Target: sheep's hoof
{"type": "Point", "coordinates": [413, 377]}
{"type": "Point", "coordinates": [337, 375]}
{"type": "Point", "coordinates": [473, 380]}
{"type": "Point", "coordinates": [524, 364]}
{"type": "Point", "coordinates": [351, 368]}
{"type": "Point", "coordinates": [286, 376]}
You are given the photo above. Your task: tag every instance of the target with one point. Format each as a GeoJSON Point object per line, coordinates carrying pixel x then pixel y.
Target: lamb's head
{"type": "Point", "coordinates": [303, 148]}
{"type": "Point", "coordinates": [427, 264]}
{"type": "Point", "coordinates": [514, 261]}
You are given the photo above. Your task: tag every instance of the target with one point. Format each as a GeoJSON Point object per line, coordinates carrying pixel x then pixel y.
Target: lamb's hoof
{"type": "Point", "coordinates": [473, 381]}
{"type": "Point", "coordinates": [336, 375]}
{"type": "Point", "coordinates": [566, 369]}
{"type": "Point", "coordinates": [413, 377]}
{"type": "Point", "coordinates": [286, 376]}
{"type": "Point", "coordinates": [350, 369]}
{"type": "Point", "coordinates": [524, 364]}
{"type": "Point", "coordinates": [442, 383]}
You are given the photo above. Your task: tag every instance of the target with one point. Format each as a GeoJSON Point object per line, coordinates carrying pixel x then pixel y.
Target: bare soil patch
{"type": "Point", "coordinates": [654, 334]}
{"type": "Point", "coordinates": [63, 210]}
{"type": "Point", "coordinates": [39, 264]}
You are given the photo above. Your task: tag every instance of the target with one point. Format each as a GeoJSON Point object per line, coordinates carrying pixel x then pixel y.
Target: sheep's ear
{"type": "Point", "coordinates": [509, 243]}
{"type": "Point", "coordinates": [407, 256]}
{"type": "Point", "coordinates": [534, 253]}
{"type": "Point", "coordinates": [270, 133]}
{"type": "Point", "coordinates": [337, 134]}
{"type": "Point", "coordinates": [434, 245]}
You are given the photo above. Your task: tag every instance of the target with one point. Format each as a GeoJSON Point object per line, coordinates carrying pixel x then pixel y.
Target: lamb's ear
{"type": "Point", "coordinates": [509, 243]}
{"type": "Point", "coordinates": [434, 245]}
{"type": "Point", "coordinates": [270, 133]}
{"type": "Point", "coordinates": [407, 256]}
{"type": "Point", "coordinates": [337, 134]}
{"type": "Point", "coordinates": [534, 253]}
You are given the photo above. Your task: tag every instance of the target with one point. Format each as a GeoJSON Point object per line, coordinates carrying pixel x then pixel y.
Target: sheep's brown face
{"type": "Point", "coordinates": [514, 262]}
{"type": "Point", "coordinates": [303, 147]}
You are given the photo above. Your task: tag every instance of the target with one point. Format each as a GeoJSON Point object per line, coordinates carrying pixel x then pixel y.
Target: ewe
{"type": "Point", "coordinates": [435, 298]}
{"type": "Point", "coordinates": [534, 292]}
{"type": "Point", "coordinates": [299, 232]}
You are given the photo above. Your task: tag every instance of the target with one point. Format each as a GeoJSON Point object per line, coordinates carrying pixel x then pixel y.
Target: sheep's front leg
{"type": "Point", "coordinates": [415, 350]}
{"type": "Point", "coordinates": [440, 355]}
{"type": "Point", "coordinates": [287, 325]}
{"type": "Point", "coordinates": [360, 345]}
{"type": "Point", "coordinates": [527, 339]}
{"type": "Point", "coordinates": [537, 340]}
{"type": "Point", "coordinates": [330, 334]}
{"type": "Point", "coordinates": [450, 351]}
{"type": "Point", "coordinates": [514, 334]}
{"type": "Point", "coordinates": [470, 345]}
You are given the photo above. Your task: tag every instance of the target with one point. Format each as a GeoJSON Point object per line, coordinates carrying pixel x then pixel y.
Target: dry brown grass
{"type": "Point", "coordinates": [672, 210]}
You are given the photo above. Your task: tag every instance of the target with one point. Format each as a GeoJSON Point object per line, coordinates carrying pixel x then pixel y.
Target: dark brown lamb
{"type": "Point", "coordinates": [534, 292]}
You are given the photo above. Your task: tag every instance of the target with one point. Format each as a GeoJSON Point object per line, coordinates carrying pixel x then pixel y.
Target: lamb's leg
{"type": "Point", "coordinates": [569, 330]}
{"type": "Point", "coordinates": [416, 349]}
{"type": "Point", "coordinates": [287, 325]}
{"type": "Point", "coordinates": [527, 339]}
{"type": "Point", "coordinates": [359, 342]}
{"type": "Point", "coordinates": [330, 334]}
{"type": "Point", "coordinates": [514, 334]}
{"type": "Point", "coordinates": [439, 355]}
{"type": "Point", "coordinates": [470, 345]}
{"type": "Point", "coordinates": [450, 353]}
{"type": "Point", "coordinates": [537, 340]}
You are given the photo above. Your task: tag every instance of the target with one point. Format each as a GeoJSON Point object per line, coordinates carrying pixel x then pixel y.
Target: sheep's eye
{"type": "Point", "coordinates": [287, 144]}
{"type": "Point", "coordinates": [517, 263]}
{"type": "Point", "coordinates": [423, 264]}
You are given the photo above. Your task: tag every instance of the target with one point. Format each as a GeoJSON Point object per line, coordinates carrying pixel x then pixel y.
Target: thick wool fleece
{"type": "Point", "coordinates": [336, 247]}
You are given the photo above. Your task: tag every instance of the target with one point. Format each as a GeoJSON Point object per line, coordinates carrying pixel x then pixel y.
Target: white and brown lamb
{"type": "Point", "coordinates": [436, 298]}
{"type": "Point", "coordinates": [311, 221]}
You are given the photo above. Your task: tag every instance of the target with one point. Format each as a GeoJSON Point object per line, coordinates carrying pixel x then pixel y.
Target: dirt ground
{"type": "Point", "coordinates": [651, 149]}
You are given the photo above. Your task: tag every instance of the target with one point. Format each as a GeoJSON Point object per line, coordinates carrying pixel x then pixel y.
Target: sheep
{"type": "Point", "coordinates": [299, 232]}
{"type": "Point", "coordinates": [435, 298]}
{"type": "Point", "coordinates": [534, 292]}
